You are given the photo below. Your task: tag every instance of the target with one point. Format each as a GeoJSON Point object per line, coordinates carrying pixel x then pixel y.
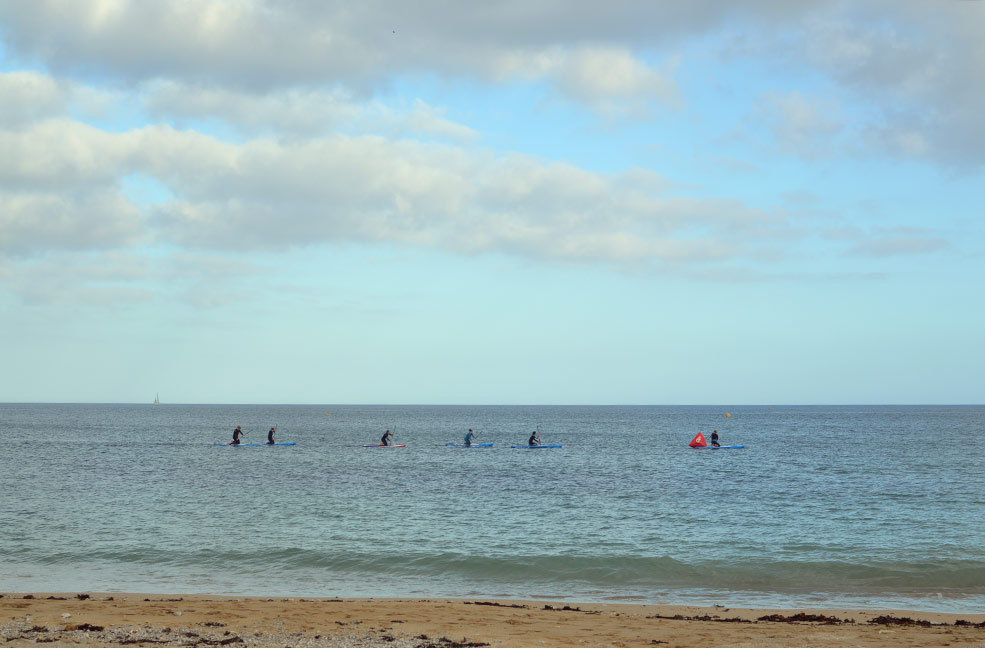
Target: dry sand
{"type": "Point", "coordinates": [164, 620]}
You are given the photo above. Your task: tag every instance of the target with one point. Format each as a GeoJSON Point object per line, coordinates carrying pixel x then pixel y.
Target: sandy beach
{"type": "Point", "coordinates": [166, 620]}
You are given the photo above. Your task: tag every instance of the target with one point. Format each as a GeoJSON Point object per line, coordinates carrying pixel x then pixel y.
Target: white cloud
{"type": "Point", "coordinates": [297, 112]}
{"type": "Point", "coordinates": [83, 278]}
{"type": "Point", "coordinates": [929, 54]}
{"type": "Point", "coordinates": [292, 111]}
{"type": "Point", "coordinates": [259, 45]}
{"type": "Point", "coordinates": [267, 194]}
{"type": "Point", "coordinates": [920, 66]}
{"type": "Point", "coordinates": [60, 154]}
{"type": "Point", "coordinates": [430, 121]}
{"type": "Point", "coordinates": [118, 280]}
{"type": "Point", "coordinates": [910, 74]}
{"type": "Point", "coordinates": [35, 222]}
{"type": "Point", "coordinates": [612, 81]}
{"type": "Point", "coordinates": [26, 97]}
{"type": "Point", "coordinates": [59, 189]}
{"type": "Point", "coordinates": [290, 78]}
{"type": "Point", "coordinates": [887, 242]}
{"type": "Point", "coordinates": [899, 139]}
{"type": "Point", "coordinates": [802, 125]}
{"type": "Point", "coordinates": [870, 47]}
{"type": "Point", "coordinates": [887, 246]}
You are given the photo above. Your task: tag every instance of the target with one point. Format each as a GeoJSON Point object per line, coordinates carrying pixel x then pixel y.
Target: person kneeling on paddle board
{"type": "Point", "coordinates": [385, 439]}
{"type": "Point", "coordinates": [469, 437]}
{"type": "Point", "coordinates": [714, 439]}
{"type": "Point", "coordinates": [236, 434]}
{"type": "Point", "coordinates": [534, 438]}
{"type": "Point", "coordinates": [270, 436]}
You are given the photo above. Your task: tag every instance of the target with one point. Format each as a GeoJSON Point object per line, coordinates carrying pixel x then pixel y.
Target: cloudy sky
{"type": "Point", "coordinates": [249, 201]}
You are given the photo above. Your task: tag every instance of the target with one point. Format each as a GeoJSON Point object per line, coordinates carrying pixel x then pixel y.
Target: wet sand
{"type": "Point", "coordinates": [163, 620]}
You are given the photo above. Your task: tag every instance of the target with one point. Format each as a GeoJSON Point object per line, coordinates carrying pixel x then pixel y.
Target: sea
{"type": "Point", "coordinates": [826, 506]}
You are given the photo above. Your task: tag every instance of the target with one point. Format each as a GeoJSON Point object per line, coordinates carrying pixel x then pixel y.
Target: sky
{"type": "Point", "coordinates": [517, 202]}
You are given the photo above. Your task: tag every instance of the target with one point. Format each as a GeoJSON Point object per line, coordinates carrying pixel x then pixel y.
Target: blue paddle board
{"type": "Point", "coordinates": [474, 445]}
{"type": "Point", "coordinates": [738, 447]}
{"type": "Point", "coordinates": [536, 447]}
{"type": "Point", "coordinates": [252, 445]}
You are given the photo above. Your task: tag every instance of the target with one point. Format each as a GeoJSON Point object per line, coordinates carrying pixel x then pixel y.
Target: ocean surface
{"type": "Point", "coordinates": [861, 506]}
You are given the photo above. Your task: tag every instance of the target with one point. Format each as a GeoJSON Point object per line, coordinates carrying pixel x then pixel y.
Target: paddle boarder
{"type": "Point", "coordinates": [385, 439]}
{"type": "Point", "coordinates": [236, 434]}
{"type": "Point", "coordinates": [469, 437]}
{"type": "Point", "coordinates": [270, 436]}
{"type": "Point", "coordinates": [714, 439]}
{"type": "Point", "coordinates": [534, 438]}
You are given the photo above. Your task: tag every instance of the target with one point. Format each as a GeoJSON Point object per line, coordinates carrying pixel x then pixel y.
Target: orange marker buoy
{"type": "Point", "coordinates": [727, 415]}
{"type": "Point", "coordinates": [698, 441]}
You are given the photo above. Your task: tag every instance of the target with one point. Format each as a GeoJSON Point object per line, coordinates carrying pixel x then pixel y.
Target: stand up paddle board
{"type": "Point", "coordinates": [474, 445]}
{"type": "Point", "coordinates": [738, 447]}
{"type": "Point", "coordinates": [536, 447]}
{"type": "Point", "coordinates": [380, 445]}
{"type": "Point", "coordinates": [252, 445]}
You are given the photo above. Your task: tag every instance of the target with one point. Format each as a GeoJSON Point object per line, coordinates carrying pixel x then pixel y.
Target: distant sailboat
{"type": "Point", "coordinates": [157, 401]}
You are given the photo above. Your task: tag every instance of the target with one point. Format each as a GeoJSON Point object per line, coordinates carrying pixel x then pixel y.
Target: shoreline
{"type": "Point", "coordinates": [98, 619]}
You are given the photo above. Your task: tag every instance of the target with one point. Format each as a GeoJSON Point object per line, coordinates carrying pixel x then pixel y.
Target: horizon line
{"type": "Point", "coordinates": [767, 405]}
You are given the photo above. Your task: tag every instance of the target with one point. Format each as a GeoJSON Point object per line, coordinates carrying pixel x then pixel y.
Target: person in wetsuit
{"type": "Point", "coordinates": [534, 438]}
{"type": "Point", "coordinates": [270, 436]}
{"type": "Point", "coordinates": [714, 439]}
{"type": "Point", "coordinates": [469, 437]}
{"type": "Point", "coordinates": [385, 439]}
{"type": "Point", "coordinates": [236, 434]}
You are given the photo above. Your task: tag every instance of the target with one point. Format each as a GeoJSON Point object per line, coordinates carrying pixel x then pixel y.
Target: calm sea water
{"type": "Point", "coordinates": [826, 506]}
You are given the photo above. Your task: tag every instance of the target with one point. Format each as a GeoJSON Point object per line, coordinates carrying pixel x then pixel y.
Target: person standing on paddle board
{"type": "Point", "coordinates": [714, 439]}
{"type": "Point", "coordinates": [385, 439]}
{"type": "Point", "coordinates": [236, 434]}
{"type": "Point", "coordinates": [534, 438]}
{"type": "Point", "coordinates": [270, 436]}
{"type": "Point", "coordinates": [469, 437]}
